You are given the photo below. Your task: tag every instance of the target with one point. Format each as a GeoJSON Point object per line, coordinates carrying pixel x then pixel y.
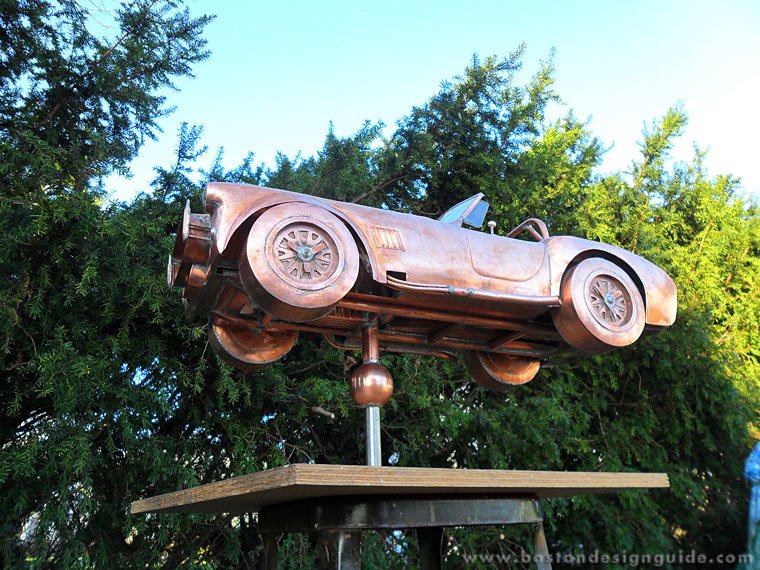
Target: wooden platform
{"type": "Point", "coordinates": [249, 493]}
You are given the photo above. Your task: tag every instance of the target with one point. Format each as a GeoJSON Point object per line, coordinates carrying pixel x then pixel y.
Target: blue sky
{"type": "Point", "coordinates": [280, 72]}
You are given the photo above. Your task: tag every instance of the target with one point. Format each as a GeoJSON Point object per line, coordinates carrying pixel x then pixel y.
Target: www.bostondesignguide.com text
{"type": "Point", "coordinates": [633, 560]}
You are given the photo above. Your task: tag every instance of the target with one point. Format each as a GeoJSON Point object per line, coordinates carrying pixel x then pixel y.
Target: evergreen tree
{"type": "Point", "coordinates": [73, 107]}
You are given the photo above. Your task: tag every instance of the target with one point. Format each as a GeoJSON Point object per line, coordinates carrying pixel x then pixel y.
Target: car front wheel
{"type": "Point", "coordinates": [298, 262]}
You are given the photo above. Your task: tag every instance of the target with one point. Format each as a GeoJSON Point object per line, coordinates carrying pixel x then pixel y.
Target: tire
{"type": "Point", "coordinates": [497, 371]}
{"type": "Point", "coordinates": [602, 309]}
{"type": "Point", "coordinates": [298, 262]}
{"type": "Point", "coordinates": [248, 350]}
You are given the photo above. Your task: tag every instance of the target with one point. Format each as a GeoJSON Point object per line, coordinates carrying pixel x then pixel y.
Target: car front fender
{"type": "Point", "coordinates": [233, 208]}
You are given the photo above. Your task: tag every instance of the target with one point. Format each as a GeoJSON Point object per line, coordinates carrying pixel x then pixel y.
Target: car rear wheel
{"type": "Point", "coordinates": [249, 350]}
{"type": "Point", "coordinates": [602, 308]}
{"type": "Point", "coordinates": [498, 371]}
{"type": "Point", "coordinates": [298, 262]}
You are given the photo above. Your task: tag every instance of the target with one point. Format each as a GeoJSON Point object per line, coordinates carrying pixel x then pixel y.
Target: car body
{"type": "Point", "coordinates": [262, 264]}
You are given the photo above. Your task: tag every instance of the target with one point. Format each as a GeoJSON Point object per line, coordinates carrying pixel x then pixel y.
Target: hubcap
{"type": "Point", "coordinates": [304, 254]}
{"type": "Point", "coordinates": [609, 301]}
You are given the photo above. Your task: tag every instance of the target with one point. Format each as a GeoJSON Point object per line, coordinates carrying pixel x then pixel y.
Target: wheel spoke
{"type": "Point", "coordinates": [286, 243]}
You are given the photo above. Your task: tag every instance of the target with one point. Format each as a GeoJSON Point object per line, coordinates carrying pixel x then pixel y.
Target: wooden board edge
{"type": "Point", "coordinates": [362, 475]}
{"type": "Point", "coordinates": [267, 479]}
{"type": "Point", "coordinates": [358, 479]}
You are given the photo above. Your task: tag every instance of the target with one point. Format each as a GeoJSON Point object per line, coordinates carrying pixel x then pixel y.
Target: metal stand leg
{"type": "Point", "coordinates": [429, 540]}
{"type": "Point", "coordinates": [270, 551]}
{"type": "Point", "coordinates": [344, 549]}
{"type": "Point", "coordinates": [541, 551]}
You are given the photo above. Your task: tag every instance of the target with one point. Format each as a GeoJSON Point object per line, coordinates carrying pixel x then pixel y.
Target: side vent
{"type": "Point", "coordinates": [387, 238]}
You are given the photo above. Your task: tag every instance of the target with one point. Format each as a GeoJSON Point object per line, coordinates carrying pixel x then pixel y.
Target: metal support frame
{"type": "Point", "coordinates": [340, 521]}
{"type": "Point", "coordinates": [371, 355]}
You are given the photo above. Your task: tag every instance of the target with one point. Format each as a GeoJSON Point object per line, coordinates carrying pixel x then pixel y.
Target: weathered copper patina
{"type": "Point", "coordinates": [262, 264]}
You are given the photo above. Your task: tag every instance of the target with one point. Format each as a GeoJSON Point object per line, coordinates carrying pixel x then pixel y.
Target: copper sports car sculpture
{"type": "Point", "coordinates": [263, 264]}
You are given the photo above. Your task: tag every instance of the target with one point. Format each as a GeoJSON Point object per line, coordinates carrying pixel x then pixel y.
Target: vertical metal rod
{"type": "Point", "coordinates": [373, 436]}
{"type": "Point", "coordinates": [371, 354]}
{"type": "Point", "coordinates": [370, 343]}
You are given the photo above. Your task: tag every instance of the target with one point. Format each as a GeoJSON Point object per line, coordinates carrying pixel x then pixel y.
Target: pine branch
{"type": "Point", "coordinates": [376, 188]}
{"type": "Point", "coordinates": [92, 68]}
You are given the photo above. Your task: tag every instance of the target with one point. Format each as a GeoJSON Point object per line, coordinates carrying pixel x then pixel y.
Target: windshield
{"type": "Point", "coordinates": [471, 211]}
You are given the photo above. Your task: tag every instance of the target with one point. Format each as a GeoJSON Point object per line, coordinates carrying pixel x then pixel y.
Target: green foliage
{"type": "Point", "coordinates": [468, 138]}
{"type": "Point", "coordinates": [81, 299]}
{"type": "Point", "coordinates": [109, 395]}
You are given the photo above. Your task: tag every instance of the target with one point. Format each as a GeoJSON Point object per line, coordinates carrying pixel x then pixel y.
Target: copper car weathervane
{"type": "Point", "coordinates": [263, 264]}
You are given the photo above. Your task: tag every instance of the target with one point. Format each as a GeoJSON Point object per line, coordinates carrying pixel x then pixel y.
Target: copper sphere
{"type": "Point", "coordinates": [371, 385]}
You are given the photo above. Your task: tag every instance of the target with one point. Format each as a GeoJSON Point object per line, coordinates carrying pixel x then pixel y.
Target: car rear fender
{"type": "Point", "coordinates": [234, 208]}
